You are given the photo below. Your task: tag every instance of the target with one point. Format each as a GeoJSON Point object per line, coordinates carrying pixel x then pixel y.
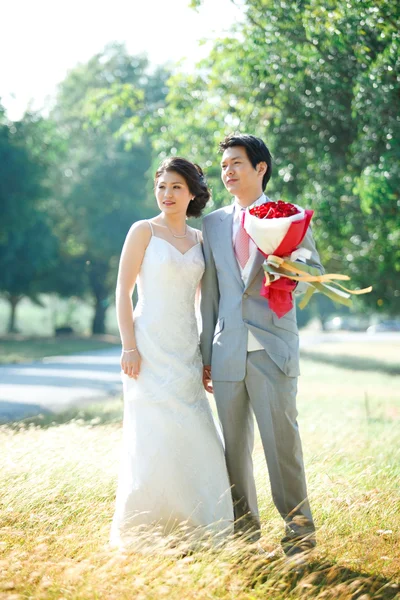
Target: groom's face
{"type": "Point", "coordinates": [237, 173]}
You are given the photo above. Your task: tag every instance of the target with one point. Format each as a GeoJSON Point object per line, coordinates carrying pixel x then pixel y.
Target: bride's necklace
{"type": "Point", "coordinates": [177, 236]}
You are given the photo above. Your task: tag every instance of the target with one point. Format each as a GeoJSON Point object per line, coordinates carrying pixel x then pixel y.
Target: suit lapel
{"type": "Point", "coordinates": [225, 242]}
{"type": "Point", "coordinates": [255, 267]}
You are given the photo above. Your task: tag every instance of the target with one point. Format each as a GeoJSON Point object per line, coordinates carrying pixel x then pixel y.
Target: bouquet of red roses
{"type": "Point", "coordinates": [277, 229]}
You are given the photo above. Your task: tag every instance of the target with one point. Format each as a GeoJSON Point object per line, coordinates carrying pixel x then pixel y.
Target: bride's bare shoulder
{"type": "Point", "coordinates": [140, 232]}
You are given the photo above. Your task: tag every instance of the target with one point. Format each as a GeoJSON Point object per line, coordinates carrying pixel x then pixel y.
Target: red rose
{"type": "Point", "coordinates": [274, 210]}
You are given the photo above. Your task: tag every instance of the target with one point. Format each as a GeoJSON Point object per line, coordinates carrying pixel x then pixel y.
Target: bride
{"type": "Point", "coordinates": [173, 472]}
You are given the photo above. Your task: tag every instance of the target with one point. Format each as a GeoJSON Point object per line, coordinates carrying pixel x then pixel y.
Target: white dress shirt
{"type": "Point", "coordinates": [252, 343]}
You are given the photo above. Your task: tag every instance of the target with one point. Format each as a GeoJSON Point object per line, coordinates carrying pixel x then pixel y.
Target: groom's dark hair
{"type": "Point", "coordinates": [255, 148]}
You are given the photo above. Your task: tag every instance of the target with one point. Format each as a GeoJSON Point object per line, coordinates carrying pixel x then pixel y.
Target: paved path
{"type": "Point", "coordinates": [56, 383]}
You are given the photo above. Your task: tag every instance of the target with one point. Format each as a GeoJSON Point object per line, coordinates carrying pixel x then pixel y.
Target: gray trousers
{"type": "Point", "coordinates": [271, 395]}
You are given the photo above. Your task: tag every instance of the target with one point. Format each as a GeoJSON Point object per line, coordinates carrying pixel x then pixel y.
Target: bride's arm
{"type": "Point", "coordinates": [129, 266]}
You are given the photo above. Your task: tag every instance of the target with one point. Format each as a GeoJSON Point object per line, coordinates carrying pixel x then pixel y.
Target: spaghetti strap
{"type": "Point", "coordinates": [151, 227]}
{"type": "Point", "coordinates": [198, 236]}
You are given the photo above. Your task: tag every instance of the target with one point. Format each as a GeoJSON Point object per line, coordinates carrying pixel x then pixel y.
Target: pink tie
{"type": "Point", "coordinates": [241, 244]}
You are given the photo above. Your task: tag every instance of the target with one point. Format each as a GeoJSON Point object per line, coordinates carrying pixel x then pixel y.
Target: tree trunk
{"type": "Point", "coordinates": [13, 300]}
{"type": "Point", "coordinates": [99, 320]}
{"type": "Point", "coordinates": [97, 277]}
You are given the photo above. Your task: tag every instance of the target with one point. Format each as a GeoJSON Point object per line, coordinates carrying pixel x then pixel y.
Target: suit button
{"type": "Point", "coordinates": [245, 295]}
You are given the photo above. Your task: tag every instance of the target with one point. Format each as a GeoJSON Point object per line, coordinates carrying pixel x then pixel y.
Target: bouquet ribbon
{"type": "Point", "coordinates": [328, 283]}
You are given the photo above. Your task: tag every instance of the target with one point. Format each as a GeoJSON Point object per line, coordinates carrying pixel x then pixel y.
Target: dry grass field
{"type": "Point", "coordinates": [57, 487]}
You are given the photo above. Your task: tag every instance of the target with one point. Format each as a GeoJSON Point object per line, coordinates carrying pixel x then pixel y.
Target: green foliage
{"type": "Point", "coordinates": [102, 178]}
{"type": "Point", "coordinates": [28, 246]}
{"type": "Point", "coordinates": [320, 83]}
{"type": "Point", "coordinates": [20, 182]}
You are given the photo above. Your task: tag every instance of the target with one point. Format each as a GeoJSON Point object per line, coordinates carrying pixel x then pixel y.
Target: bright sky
{"type": "Point", "coordinates": [42, 39]}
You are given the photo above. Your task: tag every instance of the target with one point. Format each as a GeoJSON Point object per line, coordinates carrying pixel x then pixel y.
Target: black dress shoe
{"type": "Point", "coordinates": [293, 546]}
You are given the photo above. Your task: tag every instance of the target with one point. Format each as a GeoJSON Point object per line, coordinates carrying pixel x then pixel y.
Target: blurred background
{"type": "Point", "coordinates": [93, 98]}
{"type": "Point", "coordinates": [93, 95]}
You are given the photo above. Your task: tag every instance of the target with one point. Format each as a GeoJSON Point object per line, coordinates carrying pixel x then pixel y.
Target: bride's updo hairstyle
{"type": "Point", "coordinates": [195, 180]}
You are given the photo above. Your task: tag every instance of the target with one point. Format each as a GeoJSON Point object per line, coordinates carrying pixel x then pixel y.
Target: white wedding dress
{"type": "Point", "coordinates": [173, 469]}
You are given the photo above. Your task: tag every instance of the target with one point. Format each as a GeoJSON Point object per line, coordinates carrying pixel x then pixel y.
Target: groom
{"type": "Point", "coordinates": [251, 356]}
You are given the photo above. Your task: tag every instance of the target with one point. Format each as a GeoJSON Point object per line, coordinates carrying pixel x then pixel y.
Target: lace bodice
{"type": "Point", "coordinates": [168, 279]}
{"type": "Point", "coordinates": [167, 285]}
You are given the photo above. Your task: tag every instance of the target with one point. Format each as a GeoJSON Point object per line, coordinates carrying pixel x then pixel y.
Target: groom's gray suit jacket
{"type": "Point", "coordinates": [230, 309]}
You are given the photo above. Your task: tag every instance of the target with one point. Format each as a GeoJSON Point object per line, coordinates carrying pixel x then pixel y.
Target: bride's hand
{"type": "Point", "coordinates": [131, 363]}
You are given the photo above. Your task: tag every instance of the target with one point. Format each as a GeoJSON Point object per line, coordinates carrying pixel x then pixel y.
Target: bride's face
{"type": "Point", "coordinates": [172, 193]}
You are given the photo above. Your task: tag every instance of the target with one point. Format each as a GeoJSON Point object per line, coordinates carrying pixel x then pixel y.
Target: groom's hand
{"type": "Point", "coordinates": [207, 382]}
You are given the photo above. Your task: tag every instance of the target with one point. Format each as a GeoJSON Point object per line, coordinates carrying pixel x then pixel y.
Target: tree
{"type": "Point", "coordinates": [320, 82]}
{"type": "Point", "coordinates": [101, 187]}
{"type": "Point", "coordinates": [27, 245]}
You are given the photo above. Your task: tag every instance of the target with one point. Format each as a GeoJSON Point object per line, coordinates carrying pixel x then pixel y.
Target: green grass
{"type": "Point", "coordinates": [57, 490]}
{"type": "Point", "coordinates": [17, 349]}
{"type": "Point", "coordinates": [34, 320]}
